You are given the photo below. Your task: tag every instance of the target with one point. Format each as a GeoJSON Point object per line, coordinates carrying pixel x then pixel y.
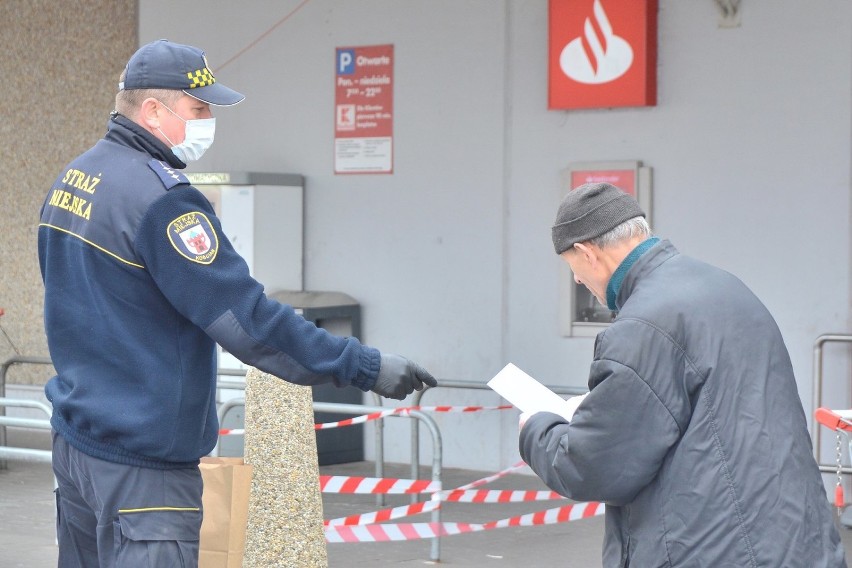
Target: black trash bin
{"type": "Point", "coordinates": [339, 314]}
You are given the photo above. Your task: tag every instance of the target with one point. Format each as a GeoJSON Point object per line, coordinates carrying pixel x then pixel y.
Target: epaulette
{"type": "Point", "coordinates": [167, 175]}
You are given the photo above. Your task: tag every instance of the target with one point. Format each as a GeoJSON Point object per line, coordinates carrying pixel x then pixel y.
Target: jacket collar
{"type": "Point", "coordinates": [618, 276]}
{"type": "Point", "coordinates": [658, 253]}
{"type": "Point", "coordinates": [124, 131]}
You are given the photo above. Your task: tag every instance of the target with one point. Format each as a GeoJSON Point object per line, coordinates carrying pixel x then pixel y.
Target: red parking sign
{"type": "Point", "coordinates": [602, 53]}
{"type": "Point", "coordinates": [363, 110]}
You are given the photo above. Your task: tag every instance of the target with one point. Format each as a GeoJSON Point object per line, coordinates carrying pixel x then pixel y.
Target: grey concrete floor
{"type": "Point", "coordinates": [27, 529]}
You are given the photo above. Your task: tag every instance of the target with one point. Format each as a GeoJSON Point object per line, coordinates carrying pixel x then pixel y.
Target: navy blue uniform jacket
{"type": "Point", "coordinates": [140, 283]}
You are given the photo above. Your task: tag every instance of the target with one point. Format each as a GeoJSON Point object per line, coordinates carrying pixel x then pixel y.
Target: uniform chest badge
{"type": "Point", "coordinates": [194, 238]}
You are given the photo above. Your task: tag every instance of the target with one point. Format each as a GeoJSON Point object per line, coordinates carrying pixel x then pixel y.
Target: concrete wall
{"type": "Point", "coordinates": [450, 256]}
{"type": "Point", "coordinates": [58, 77]}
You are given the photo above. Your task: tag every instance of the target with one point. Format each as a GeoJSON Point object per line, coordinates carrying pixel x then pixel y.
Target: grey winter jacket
{"type": "Point", "coordinates": [693, 432]}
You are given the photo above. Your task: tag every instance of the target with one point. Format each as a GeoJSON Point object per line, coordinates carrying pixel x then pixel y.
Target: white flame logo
{"type": "Point", "coordinates": [599, 56]}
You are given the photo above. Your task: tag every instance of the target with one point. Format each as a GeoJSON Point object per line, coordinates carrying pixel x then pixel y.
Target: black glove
{"type": "Point", "coordinates": [398, 377]}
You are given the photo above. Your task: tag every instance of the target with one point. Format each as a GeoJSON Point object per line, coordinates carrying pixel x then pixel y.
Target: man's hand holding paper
{"type": "Point", "coordinates": [573, 403]}
{"type": "Point", "coordinates": [571, 407]}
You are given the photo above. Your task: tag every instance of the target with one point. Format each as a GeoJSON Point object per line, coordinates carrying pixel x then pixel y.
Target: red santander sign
{"type": "Point", "coordinates": [602, 53]}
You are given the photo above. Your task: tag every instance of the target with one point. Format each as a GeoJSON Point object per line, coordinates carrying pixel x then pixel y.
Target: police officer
{"type": "Point", "coordinates": [140, 285]}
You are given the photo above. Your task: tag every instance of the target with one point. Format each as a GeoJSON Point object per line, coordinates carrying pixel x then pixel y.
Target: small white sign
{"type": "Point", "coordinates": [363, 155]}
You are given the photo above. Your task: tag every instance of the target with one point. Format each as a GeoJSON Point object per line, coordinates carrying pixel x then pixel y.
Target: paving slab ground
{"type": "Point", "coordinates": [28, 513]}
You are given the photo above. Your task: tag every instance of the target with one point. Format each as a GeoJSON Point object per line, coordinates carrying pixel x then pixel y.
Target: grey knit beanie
{"type": "Point", "coordinates": [589, 211]}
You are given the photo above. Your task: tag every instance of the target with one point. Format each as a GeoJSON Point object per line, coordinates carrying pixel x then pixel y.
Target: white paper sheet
{"type": "Point", "coordinates": [528, 394]}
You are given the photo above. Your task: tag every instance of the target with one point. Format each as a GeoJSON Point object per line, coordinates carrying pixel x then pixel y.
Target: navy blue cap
{"type": "Point", "coordinates": [166, 65]}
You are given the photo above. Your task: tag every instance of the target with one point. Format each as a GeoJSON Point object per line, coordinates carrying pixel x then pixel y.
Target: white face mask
{"type": "Point", "coordinates": [197, 139]}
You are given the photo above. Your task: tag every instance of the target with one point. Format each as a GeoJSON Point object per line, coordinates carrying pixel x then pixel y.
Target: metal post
{"type": "Point", "coordinates": [437, 446]}
{"type": "Point", "coordinates": [816, 402]}
{"type": "Point", "coordinates": [418, 395]}
{"type": "Point", "coordinates": [380, 447]}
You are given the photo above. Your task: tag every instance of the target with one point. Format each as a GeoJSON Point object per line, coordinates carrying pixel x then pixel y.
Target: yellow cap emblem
{"type": "Point", "coordinates": [200, 78]}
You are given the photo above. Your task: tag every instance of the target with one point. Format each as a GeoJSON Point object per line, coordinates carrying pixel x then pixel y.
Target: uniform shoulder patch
{"type": "Point", "coordinates": [170, 177]}
{"type": "Point", "coordinates": [194, 237]}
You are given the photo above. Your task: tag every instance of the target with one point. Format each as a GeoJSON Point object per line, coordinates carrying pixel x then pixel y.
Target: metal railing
{"type": "Point", "coordinates": [453, 384]}
{"type": "Point", "coordinates": [226, 406]}
{"type": "Point", "coordinates": [24, 454]}
{"type": "Point", "coordinates": [353, 409]}
{"type": "Point", "coordinates": [220, 385]}
{"type": "Point", "coordinates": [358, 410]}
{"type": "Point", "coordinates": [18, 360]}
{"type": "Point", "coordinates": [4, 368]}
{"type": "Point", "coordinates": [816, 436]}
{"type": "Point", "coordinates": [31, 454]}
{"type": "Point", "coordinates": [437, 448]}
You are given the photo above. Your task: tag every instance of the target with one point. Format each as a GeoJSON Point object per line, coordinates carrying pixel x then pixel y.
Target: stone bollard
{"type": "Point", "coordinates": [285, 519]}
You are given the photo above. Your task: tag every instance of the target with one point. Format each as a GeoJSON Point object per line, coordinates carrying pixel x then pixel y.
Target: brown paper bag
{"type": "Point", "coordinates": [227, 484]}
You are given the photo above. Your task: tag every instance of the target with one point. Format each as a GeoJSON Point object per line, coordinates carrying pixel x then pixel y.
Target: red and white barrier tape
{"type": "Point", "coordinates": [413, 531]}
{"type": "Point", "coordinates": [376, 485]}
{"type": "Point", "coordinates": [455, 495]}
{"type": "Point", "coordinates": [386, 514]}
{"type": "Point", "coordinates": [232, 432]}
{"type": "Point", "coordinates": [364, 528]}
{"type": "Point", "coordinates": [495, 496]}
{"type": "Point", "coordinates": [490, 478]}
{"type": "Point", "coordinates": [404, 411]}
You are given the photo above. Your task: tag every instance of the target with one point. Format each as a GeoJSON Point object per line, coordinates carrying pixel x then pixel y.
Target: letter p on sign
{"type": "Point", "coordinates": [345, 61]}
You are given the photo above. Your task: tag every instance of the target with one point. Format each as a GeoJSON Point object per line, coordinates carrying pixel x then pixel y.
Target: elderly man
{"type": "Point", "coordinates": [693, 433]}
{"type": "Point", "coordinates": [140, 284]}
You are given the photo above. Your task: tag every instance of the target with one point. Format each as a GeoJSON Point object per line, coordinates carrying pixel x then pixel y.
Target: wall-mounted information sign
{"type": "Point", "coordinates": [363, 110]}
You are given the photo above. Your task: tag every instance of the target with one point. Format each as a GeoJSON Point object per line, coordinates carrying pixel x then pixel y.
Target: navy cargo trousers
{"type": "Point", "coordinates": [113, 515]}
